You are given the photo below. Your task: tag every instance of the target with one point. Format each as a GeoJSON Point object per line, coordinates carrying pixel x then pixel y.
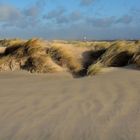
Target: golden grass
{"type": "Point", "coordinates": [95, 69]}
{"type": "Point", "coordinates": [64, 58]}
{"type": "Point", "coordinates": [34, 47]}
{"type": "Point", "coordinates": [41, 64]}
{"type": "Point", "coordinates": [119, 54]}
{"type": "Point", "coordinates": [33, 52]}
{"type": "Point", "coordinates": [4, 63]}
{"type": "Point", "coordinates": [40, 56]}
{"type": "Point", "coordinates": [29, 48]}
{"type": "Point", "coordinates": [11, 63]}
{"type": "Point", "coordinates": [97, 45]}
{"type": "Point", "coordinates": [11, 42]}
{"type": "Point", "coordinates": [136, 59]}
{"type": "Point", "coordinates": [83, 44]}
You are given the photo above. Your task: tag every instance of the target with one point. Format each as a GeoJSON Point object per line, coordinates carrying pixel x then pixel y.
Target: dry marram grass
{"type": "Point", "coordinates": [36, 55]}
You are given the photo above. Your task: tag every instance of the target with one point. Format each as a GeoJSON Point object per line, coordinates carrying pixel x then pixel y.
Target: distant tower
{"type": "Point", "coordinates": [85, 38]}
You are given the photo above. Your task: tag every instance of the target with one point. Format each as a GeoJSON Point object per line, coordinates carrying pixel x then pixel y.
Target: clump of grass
{"type": "Point", "coordinates": [30, 55]}
{"type": "Point", "coordinates": [37, 56]}
{"type": "Point", "coordinates": [136, 59]}
{"type": "Point", "coordinates": [94, 69]}
{"type": "Point", "coordinates": [14, 50]}
{"type": "Point", "coordinates": [4, 63]}
{"type": "Point", "coordinates": [118, 60]}
{"type": "Point", "coordinates": [29, 48]}
{"type": "Point", "coordinates": [137, 42]}
{"type": "Point", "coordinates": [118, 54]}
{"type": "Point", "coordinates": [91, 56]}
{"type": "Point", "coordinates": [41, 64]}
{"type": "Point", "coordinates": [96, 44]}
{"type": "Point", "coordinates": [83, 44]}
{"type": "Point", "coordinates": [11, 42]}
{"type": "Point", "coordinates": [11, 63]}
{"type": "Point", "coordinates": [102, 45]}
{"type": "Point", "coordinates": [16, 55]}
{"type": "Point", "coordinates": [64, 58]}
{"type": "Point", "coordinates": [34, 47]}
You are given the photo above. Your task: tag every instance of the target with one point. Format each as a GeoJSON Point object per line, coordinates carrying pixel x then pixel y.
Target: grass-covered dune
{"type": "Point", "coordinates": [118, 54]}
{"type": "Point", "coordinates": [77, 57]}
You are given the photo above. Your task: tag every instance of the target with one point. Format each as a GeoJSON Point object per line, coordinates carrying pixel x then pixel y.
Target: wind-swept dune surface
{"type": "Point", "coordinates": [69, 90]}
{"type": "Point", "coordinates": [59, 107]}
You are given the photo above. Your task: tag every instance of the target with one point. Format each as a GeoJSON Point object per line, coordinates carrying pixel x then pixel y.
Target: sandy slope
{"type": "Point", "coordinates": [2, 49]}
{"type": "Point", "coordinates": [58, 107]}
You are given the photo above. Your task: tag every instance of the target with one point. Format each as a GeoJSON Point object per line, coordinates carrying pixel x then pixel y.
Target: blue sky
{"type": "Point", "coordinates": [70, 19]}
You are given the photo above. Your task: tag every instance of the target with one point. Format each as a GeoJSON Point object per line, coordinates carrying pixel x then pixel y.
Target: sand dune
{"type": "Point", "coordinates": [80, 58]}
{"type": "Point", "coordinates": [58, 107]}
{"type": "Point", "coordinates": [2, 49]}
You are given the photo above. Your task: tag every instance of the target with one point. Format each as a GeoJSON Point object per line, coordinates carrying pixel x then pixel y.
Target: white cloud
{"type": "Point", "coordinates": [8, 12]}
{"type": "Point", "coordinates": [87, 2]}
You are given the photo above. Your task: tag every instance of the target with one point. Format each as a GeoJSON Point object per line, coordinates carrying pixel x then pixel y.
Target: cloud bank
{"type": "Point", "coordinates": [62, 23]}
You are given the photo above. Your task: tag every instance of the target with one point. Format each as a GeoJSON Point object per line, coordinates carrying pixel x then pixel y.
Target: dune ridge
{"type": "Point", "coordinates": [78, 58]}
{"type": "Point", "coordinates": [38, 106]}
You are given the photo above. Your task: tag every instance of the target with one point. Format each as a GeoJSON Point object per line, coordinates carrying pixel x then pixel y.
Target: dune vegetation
{"type": "Point", "coordinates": [77, 57]}
{"type": "Point", "coordinates": [119, 54]}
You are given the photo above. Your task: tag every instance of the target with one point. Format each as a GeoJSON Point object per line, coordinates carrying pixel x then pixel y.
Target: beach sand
{"type": "Point", "coordinates": [60, 107]}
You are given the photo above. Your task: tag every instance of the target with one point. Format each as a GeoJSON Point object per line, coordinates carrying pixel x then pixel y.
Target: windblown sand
{"type": "Point", "coordinates": [59, 107]}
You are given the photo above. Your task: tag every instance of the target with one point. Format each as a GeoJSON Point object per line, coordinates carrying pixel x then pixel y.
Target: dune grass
{"type": "Point", "coordinates": [30, 51]}
{"type": "Point", "coordinates": [11, 42]}
{"type": "Point", "coordinates": [36, 55]}
{"type": "Point", "coordinates": [119, 54]}
{"type": "Point", "coordinates": [11, 63]}
{"type": "Point", "coordinates": [64, 58]}
{"type": "Point", "coordinates": [95, 69]}
{"type": "Point", "coordinates": [96, 45]}
{"type": "Point", "coordinates": [41, 64]}
{"type": "Point", "coordinates": [136, 59]}
{"type": "Point", "coordinates": [29, 48]}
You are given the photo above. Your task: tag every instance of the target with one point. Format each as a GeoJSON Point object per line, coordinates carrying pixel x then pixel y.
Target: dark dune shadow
{"type": "Point", "coordinates": [119, 60]}
{"type": "Point", "coordinates": [88, 58]}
